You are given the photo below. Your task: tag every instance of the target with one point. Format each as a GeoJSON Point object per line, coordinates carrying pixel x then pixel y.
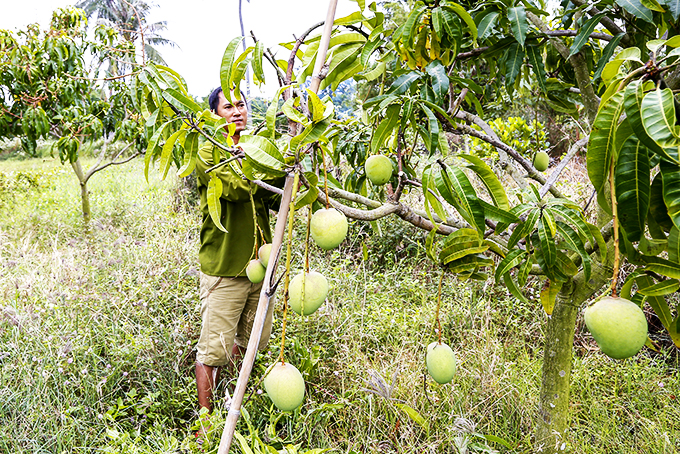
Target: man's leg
{"type": "Point", "coordinates": [206, 379]}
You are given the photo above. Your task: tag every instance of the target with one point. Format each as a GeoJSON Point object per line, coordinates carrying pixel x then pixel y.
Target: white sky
{"type": "Point", "coordinates": [203, 28]}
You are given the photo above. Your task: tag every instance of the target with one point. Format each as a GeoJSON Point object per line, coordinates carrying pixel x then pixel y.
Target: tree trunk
{"type": "Point", "coordinates": [84, 194]}
{"type": "Point", "coordinates": [553, 408]}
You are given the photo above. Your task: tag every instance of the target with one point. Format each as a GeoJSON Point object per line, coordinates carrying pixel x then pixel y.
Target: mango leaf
{"type": "Point", "coordinates": [368, 50]}
{"type": "Point", "coordinates": [549, 296]}
{"type": "Point", "coordinates": [190, 154]}
{"type": "Point", "coordinates": [414, 415]}
{"type": "Point", "coordinates": [674, 245]}
{"type": "Point", "coordinates": [547, 241]}
{"type": "Point", "coordinates": [489, 179]}
{"type": "Point", "coordinates": [403, 82]}
{"type": "Point", "coordinates": [486, 25]}
{"type": "Point", "coordinates": [671, 190]}
{"type": "Point", "coordinates": [607, 53]}
{"type": "Point", "coordinates": [310, 134]}
{"type": "Point", "coordinates": [440, 80]}
{"type": "Point", "coordinates": [497, 214]}
{"type": "Point", "coordinates": [633, 187]}
{"type": "Point", "coordinates": [385, 128]}
{"type": "Point", "coordinates": [263, 154]}
{"type": "Point", "coordinates": [584, 33]}
{"type": "Point", "coordinates": [518, 23]}
{"type": "Point", "coordinates": [214, 204]}
{"type": "Point", "coordinates": [524, 270]}
{"type": "Point", "coordinates": [653, 5]}
{"type": "Point", "coordinates": [292, 113]}
{"type": "Point", "coordinates": [661, 288]}
{"type": "Point", "coordinates": [469, 263]}
{"type": "Point", "coordinates": [574, 241]}
{"type": "Point", "coordinates": [465, 16]}
{"type": "Point", "coordinates": [525, 229]}
{"type": "Point", "coordinates": [657, 112]}
{"type": "Point", "coordinates": [258, 54]}
{"type": "Point", "coordinates": [635, 8]}
{"type": "Point", "coordinates": [456, 250]}
{"type": "Point", "coordinates": [166, 154]}
{"type": "Point", "coordinates": [472, 210]}
{"type": "Point", "coordinates": [226, 67]}
{"type": "Point", "coordinates": [513, 63]}
{"type": "Point", "coordinates": [674, 8]}
{"type": "Point", "coordinates": [152, 146]}
{"type": "Point", "coordinates": [181, 101]}
{"type": "Point", "coordinates": [514, 258]}
{"type": "Point", "coordinates": [430, 199]}
{"type": "Point", "coordinates": [536, 60]}
{"type": "Point", "coordinates": [512, 286]}
{"type": "Point", "coordinates": [661, 309]}
{"type": "Point", "coordinates": [633, 106]}
{"type": "Point", "coordinates": [662, 266]}
{"type": "Point", "coordinates": [612, 68]}
{"type": "Point", "coordinates": [601, 143]}
{"type": "Point", "coordinates": [316, 107]}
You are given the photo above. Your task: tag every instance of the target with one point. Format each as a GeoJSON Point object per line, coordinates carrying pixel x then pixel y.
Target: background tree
{"type": "Point", "coordinates": [50, 91]}
{"type": "Point", "coordinates": [433, 75]}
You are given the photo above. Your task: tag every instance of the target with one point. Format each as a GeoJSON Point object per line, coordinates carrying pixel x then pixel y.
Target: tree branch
{"type": "Point", "coordinates": [608, 23]}
{"type": "Point", "coordinates": [573, 151]}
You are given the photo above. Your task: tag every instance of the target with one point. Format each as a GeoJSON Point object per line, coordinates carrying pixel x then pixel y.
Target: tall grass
{"type": "Point", "coordinates": [98, 325]}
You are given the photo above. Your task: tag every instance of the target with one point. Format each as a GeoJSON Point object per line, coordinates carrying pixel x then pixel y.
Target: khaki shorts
{"type": "Point", "coordinates": [228, 307]}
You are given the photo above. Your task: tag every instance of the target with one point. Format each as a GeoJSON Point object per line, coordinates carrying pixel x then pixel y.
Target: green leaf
{"type": "Point", "coordinates": [662, 288]}
{"type": "Point", "coordinates": [226, 67]}
{"type": "Point", "coordinates": [430, 200]}
{"type": "Point", "coordinates": [489, 179]}
{"type": "Point", "coordinates": [635, 8]}
{"type": "Point", "coordinates": [497, 214]}
{"type": "Point", "coordinates": [671, 190]}
{"type": "Point", "coordinates": [658, 118]}
{"type": "Point", "coordinates": [674, 7]}
{"type": "Point", "coordinates": [190, 154]}
{"type": "Point", "coordinates": [166, 154]}
{"type": "Point", "coordinates": [601, 143]}
{"type": "Point", "coordinates": [633, 106]}
{"type": "Point", "coordinates": [152, 146]}
{"type": "Point", "coordinates": [607, 53]}
{"type": "Point", "coordinates": [612, 68]}
{"type": "Point", "coordinates": [514, 58]}
{"type": "Point", "coordinates": [181, 101]}
{"type": "Point", "coordinates": [465, 16]}
{"type": "Point", "coordinates": [653, 5]}
{"type": "Point", "coordinates": [633, 188]}
{"type": "Point", "coordinates": [440, 80]}
{"type": "Point", "coordinates": [258, 54]}
{"type": "Point", "coordinates": [486, 25]}
{"type": "Point", "coordinates": [536, 60]}
{"type": "Point", "coordinates": [662, 266]}
{"type": "Point", "coordinates": [547, 241]}
{"type": "Point", "coordinates": [414, 415]}
{"type": "Point", "coordinates": [510, 284]}
{"type": "Point", "coordinates": [574, 241]}
{"type": "Point", "coordinates": [674, 245]}
{"type": "Point", "coordinates": [368, 50]}
{"type": "Point", "coordinates": [385, 127]}
{"type": "Point", "coordinates": [549, 296]}
{"type": "Point", "coordinates": [525, 229]}
{"type": "Point", "coordinates": [514, 258]}
{"type": "Point", "coordinates": [518, 23]}
{"type": "Point", "coordinates": [263, 154]}
{"type": "Point", "coordinates": [403, 82]}
{"type": "Point", "coordinates": [214, 204]}
{"type": "Point", "coordinates": [584, 33]}
{"type": "Point", "coordinates": [472, 210]}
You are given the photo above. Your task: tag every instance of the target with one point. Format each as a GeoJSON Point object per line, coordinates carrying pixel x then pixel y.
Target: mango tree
{"type": "Point", "coordinates": [54, 86]}
{"type": "Point", "coordinates": [434, 73]}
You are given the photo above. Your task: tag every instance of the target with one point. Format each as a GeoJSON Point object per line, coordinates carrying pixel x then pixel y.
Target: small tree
{"type": "Point", "coordinates": [435, 72]}
{"type": "Point", "coordinates": [54, 86]}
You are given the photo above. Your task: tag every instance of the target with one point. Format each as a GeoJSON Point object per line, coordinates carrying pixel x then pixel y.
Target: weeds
{"type": "Point", "coordinates": [97, 330]}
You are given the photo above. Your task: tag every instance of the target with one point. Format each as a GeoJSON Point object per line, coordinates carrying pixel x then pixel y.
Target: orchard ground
{"type": "Point", "coordinates": [98, 326]}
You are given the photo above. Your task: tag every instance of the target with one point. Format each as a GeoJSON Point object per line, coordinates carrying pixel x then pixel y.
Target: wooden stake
{"type": "Point", "coordinates": [277, 241]}
{"type": "Point", "coordinates": [258, 324]}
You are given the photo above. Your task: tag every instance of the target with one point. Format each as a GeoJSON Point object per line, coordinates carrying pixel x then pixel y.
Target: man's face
{"type": "Point", "coordinates": [236, 113]}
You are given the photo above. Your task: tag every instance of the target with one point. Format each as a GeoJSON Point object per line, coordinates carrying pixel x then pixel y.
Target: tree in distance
{"type": "Point", "coordinates": [328, 228]}
{"type": "Point", "coordinates": [618, 325]}
{"type": "Point", "coordinates": [315, 291]}
{"type": "Point", "coordinates": [263, 254]}
{"type": "Point", "coordinates": [441, 362]}
{"type": "Point", "coordinates": [541, 161]}
{"type": "Point", "coordinates": [255, 271]}
{"type": "Point", "coordinates": [378, 169]}
{"type": "Point", "coordinates": [285, 386]}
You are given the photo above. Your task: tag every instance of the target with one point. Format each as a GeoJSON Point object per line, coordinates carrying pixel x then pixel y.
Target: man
{"type": "Point", "coordinates": [228, 299]}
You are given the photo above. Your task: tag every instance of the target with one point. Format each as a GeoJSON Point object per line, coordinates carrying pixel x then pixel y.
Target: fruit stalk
{"type": "Point", "coordinates": [615, 226]}
{"type": "Point", "coordinates": [291, 219]}
{"type": "Point", "coordinates": [439, 303]}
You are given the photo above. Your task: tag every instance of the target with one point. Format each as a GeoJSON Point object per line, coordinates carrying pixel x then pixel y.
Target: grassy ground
{"type": "Point", "coordinates": [98, 325]}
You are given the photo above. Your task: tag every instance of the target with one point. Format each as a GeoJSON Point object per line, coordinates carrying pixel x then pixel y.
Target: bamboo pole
{"type": "Point", "coordinates": [258, 323]}
{"type": "Point", "coordinates": [263, 304]}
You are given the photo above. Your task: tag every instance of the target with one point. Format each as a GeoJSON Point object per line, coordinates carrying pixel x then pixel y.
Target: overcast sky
{"type": "Point", "coordinates": [203, 28]}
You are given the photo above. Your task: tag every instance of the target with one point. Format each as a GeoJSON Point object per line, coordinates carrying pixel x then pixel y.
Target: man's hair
{"type": "Point", "coordinates": [214, 99]}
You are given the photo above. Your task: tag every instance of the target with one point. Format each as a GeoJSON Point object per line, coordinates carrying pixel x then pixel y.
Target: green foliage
{"type": "Point", "coordinates": [527, 138]}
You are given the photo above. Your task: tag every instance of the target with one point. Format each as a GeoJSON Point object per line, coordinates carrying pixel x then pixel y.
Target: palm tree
{"type": "Point", "coordinates": [129, 18]}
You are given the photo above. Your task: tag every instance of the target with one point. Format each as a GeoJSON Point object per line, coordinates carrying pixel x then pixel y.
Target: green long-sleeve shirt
{"type": "Point", "coordinates": [227, 254]}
